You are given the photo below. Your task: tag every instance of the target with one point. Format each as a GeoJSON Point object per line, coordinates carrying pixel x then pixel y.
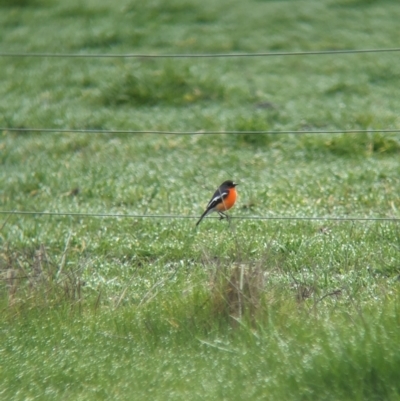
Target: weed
{"type": "Point", "coordinates": [351, 145]}
{"type": "Point", "coordinates": [256, 122]}
{"type": "Point", "coordinates": [170, 84]}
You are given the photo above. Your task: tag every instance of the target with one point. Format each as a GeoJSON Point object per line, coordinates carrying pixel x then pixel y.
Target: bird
{"type": "Point", "coordinates": [222, 200]}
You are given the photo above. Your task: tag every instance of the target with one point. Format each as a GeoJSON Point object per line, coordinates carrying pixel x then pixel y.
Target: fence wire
{"type": "Point", "coordinates": [199, 132]}
{"type": "Point", "coordinates": [175, 216]}
{"type": "Point", "coordinates": [198, 55]}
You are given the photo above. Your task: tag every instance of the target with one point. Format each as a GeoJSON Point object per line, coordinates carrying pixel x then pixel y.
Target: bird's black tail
{"type": "Point", "coordinates": [202, 216]}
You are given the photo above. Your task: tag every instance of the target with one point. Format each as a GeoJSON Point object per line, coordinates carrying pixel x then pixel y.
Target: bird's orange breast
{"type": "Point", "coordinates": [228, 202]}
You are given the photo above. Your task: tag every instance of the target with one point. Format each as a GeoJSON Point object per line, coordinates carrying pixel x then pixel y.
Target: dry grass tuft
{"type": "Point", "coordinates": [237, 291]}
{"type": "Point", "coordinates": [31, 278]}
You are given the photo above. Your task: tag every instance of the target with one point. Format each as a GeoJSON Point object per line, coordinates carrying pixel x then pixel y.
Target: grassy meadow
{"type": "Point", "coordinates": [120, 305]}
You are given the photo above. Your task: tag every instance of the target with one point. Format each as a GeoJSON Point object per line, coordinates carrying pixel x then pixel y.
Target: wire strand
{"type": "Point", "coordinates": [199, 55]}
{"type": "Point", "coordinates": [173, 216]}
{"type": "Point", "coordinates": [200, 132]}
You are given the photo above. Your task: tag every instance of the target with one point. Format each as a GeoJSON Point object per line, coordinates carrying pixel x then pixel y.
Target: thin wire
{"type": "Point", "coordinates": [200, 55]}
{"type": "Point", "coordinates": [174, 216]}
{"type": "Point", "coordinates": [201, 132]}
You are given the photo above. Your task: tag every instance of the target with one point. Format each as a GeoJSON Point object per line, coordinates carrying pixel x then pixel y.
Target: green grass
{"type": "Point", "coordinates": [334, 355]}
{"type": "Point", "coordinates": [136, 308]}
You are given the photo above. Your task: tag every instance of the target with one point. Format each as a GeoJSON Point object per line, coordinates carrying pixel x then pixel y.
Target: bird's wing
{"type": "Point", "coordinates": [218, 197]}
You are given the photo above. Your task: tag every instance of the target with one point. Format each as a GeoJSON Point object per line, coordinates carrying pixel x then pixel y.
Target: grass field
{"type": "Point", "coordinates": [132, 308]}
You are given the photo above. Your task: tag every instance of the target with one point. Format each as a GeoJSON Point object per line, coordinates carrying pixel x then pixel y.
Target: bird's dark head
{"type": "Point", "coordinates": [229, 184]}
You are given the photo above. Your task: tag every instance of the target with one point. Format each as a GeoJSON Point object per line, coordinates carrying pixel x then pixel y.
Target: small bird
{"type": "Point", "coordinates": [222, 200]}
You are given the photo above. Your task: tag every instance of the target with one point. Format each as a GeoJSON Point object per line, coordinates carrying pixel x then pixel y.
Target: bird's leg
{"type": "Point", "coordinates": [223, 216]}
